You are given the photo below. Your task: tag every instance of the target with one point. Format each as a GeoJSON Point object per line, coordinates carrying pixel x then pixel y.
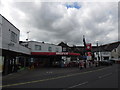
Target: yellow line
{"type": "Point", "coordinates": [51, 78]}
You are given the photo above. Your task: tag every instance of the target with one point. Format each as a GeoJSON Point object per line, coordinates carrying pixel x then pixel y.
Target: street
{"type": "Point", "coordinates": [65, 78]}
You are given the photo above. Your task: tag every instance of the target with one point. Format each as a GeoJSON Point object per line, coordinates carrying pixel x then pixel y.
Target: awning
{"type": "Point", "coordinates": [54, 53]}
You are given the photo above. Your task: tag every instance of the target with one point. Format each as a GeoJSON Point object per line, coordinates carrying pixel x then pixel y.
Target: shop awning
{"type": "Point", "coordinates": [55, 53]}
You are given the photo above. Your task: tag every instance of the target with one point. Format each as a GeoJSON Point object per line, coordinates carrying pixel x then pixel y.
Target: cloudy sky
{"type": "Point", "coordinates": [53, 22]}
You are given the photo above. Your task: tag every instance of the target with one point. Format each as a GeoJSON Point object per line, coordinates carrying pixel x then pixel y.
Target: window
{"type": "Point", "coordinates": [57, 50]}
{"type": "Point", "coordinates": [64, 49]}
{"type": "Point", "coordinates": [50, 49]}
{"type": "Point", "coordinates": [13, 37]}
{"type": "Point", "coordinates": [37, 47]}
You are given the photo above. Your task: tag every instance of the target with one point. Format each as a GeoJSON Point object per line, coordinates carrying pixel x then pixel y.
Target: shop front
{"type": "Point", "coordinates": [12, 61]}
{"type": "Point", "coordinates": [53, 59]}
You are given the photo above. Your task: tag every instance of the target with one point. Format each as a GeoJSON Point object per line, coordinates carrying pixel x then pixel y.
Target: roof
{"type": "Point", "coordinates": [42, 43]}
{"type": "Point", "coordinates": [63, 44]}
{"type": "Point", "coordinates": [109, 47]}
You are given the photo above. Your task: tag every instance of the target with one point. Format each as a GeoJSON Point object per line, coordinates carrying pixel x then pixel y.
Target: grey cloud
{"type": "Point", "coordinates": [53, 22]}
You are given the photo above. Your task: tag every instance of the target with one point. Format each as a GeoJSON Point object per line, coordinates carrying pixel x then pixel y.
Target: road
{"type": "Point", "coordinates": [65, 79]}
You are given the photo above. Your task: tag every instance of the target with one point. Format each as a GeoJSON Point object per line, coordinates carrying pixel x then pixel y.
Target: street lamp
{"type": "Point", "coordinates": [27, 35]}
{"type": "Point", "coordinates": [98, 52]}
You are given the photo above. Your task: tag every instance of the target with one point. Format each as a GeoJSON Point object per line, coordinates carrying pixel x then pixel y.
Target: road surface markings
{"type": "Point", "coordinates": [104, 75]}
{"type": "Point", "coordinates": [78, 85]}
{"type": "Point", "coordinates": [49, 72]}
{"type": "Point", "coordinates": [59, 77]}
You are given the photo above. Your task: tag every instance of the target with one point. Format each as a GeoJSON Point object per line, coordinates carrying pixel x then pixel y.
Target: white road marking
{"type": "Point", "coordinates": [54, 78]}
{"type": "Point", "coordinates": [49, 72]}
{"type": "Point", "coordinates": [104, 75]}
{"type": "Point", "coordinates": [78, 84]}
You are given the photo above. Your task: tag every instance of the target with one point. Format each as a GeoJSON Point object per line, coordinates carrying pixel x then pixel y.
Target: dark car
{"type": "Point", "coordinates": [106, 62]}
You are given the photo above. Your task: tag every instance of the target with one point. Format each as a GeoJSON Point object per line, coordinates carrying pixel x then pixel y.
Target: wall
{"type": "Point", "coordinates": [7, 27]}
{"type": "Point", "coordinates": [44, 47]}
{"type": "Point", "coordinates": [103, 54]}
{"type": "Point", "coordinates": [0, 31]}
{"type": "Point", "coordinates": [7, 44]}
{"type": "Point", "coordinates": [116, 53]}
{"type": "Point", "coordinates": [1, 44]}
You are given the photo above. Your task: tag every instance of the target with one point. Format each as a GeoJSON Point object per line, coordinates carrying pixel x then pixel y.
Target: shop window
{"type": "Point", "coordinates": [37, 47]}
{"type": "Point", "coordinates": [49, 49]}
{"type": "Point", "coordinates": [13, 37]}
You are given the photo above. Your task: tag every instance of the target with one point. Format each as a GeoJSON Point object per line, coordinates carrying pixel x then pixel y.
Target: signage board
{"type": "Point", "coordinates": [61, 53]}
{"type": "Point", "coordinates": [88, 46]}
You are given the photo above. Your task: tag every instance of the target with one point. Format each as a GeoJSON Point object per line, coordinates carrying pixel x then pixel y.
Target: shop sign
{"type": "Point", "coordinates": [62, 53]}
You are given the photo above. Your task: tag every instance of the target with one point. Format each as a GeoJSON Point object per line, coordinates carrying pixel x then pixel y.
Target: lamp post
{"type": "Point", "coordinates": [27, 35]}
{"type": "Point", "coordinates": [98, 51]}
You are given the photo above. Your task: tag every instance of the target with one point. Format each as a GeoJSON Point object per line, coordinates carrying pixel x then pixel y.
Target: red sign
{"type": "Point", "coordinates": [61, 53]}
{"type": "Point", "coordinates": [89, 54]}
{"type": "Point", "coordinates": [88, 46]}
{"type": "Point", "coordinates": [54, 53]}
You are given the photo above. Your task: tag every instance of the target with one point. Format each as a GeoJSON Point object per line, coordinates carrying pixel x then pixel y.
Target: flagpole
{"type": "Point", "coordinates": [84, 45]}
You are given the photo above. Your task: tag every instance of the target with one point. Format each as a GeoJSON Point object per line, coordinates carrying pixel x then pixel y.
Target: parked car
{"type": "Point", "coordinates": [106, 62]}
{"type": "Point", "coordinates": [73, 63]}
{"type": "Point", "coordinates": [56, 64]}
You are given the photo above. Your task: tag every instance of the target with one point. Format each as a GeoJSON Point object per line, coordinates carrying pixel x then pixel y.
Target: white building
{"type": "Point", "coordinates": [108, 51]}
{"type": "Point", "coordinates": [104, 55]}
{"type": "Point", "coordinates": [9, 44]}
{"type": "Point", "coordinates": [115, 54]}
{"type": "Point", "coordinates": [43, 47]}
{"type": "Point", "coordinates": [48, 53]}
{"type": "Point", "coordinates": [10, 37]}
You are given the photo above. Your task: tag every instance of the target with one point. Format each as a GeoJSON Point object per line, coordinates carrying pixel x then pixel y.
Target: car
{"type": "Point", "coordinates": [106, 62]}
{"type": "Point", "coordinates": [56, 64]}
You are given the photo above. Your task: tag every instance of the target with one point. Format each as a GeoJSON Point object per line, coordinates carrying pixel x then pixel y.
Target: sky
{"type": "Point", "coordinates": [53, 22]}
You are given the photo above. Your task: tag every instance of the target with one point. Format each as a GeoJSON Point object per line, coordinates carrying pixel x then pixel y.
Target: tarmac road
{"type": "Point", "coordinates": [64, 78]}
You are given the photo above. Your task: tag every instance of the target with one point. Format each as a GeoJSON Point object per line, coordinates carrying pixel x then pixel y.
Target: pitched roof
{"type": "Point", "coordinates": [109, 47]}
{"type": "Point", "coordinates": [63, 44]}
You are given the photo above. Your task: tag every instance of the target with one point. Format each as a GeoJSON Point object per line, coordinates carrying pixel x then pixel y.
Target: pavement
{"type": "Point", "coordinates": [65, 78]}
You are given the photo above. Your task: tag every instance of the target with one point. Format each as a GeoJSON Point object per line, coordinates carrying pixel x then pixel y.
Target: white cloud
{"type": "Point", "coordinates": [53, 22]}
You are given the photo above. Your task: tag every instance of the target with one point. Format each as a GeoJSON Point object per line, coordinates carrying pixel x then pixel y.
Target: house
{"type": "Point", "coordinates": [115, 54]}
{"type": "Point", "coordinates": [65, 47]}
{"type": "Point", "coordinates": [108, 51]}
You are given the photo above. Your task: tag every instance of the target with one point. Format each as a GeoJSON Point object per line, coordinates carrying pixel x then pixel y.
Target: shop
{"type": "Point", "coordinates": [53, 59]}
{"type": "Point", "coordinates": [13, 61]}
